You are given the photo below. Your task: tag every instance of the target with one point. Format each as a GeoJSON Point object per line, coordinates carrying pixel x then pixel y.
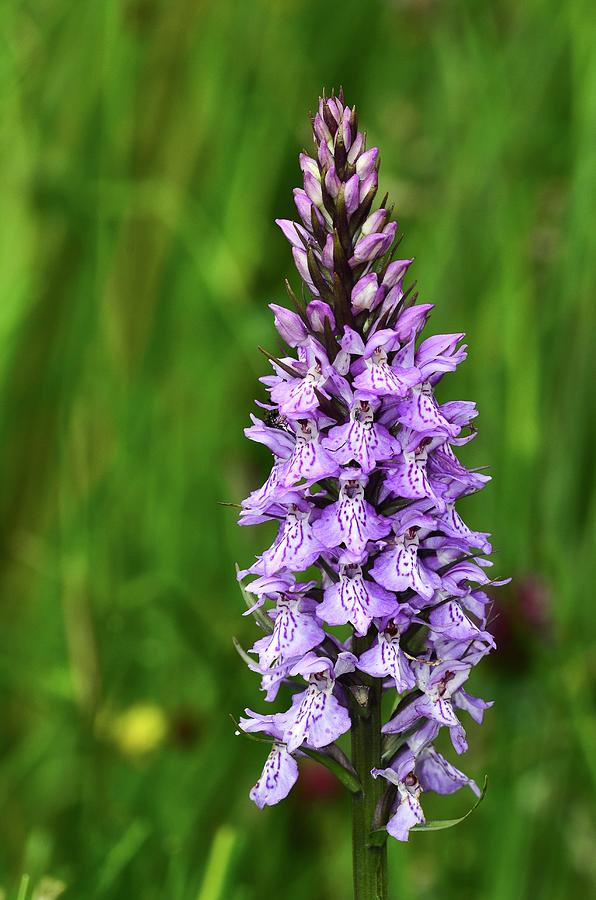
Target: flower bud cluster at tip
{"type": "Point", "coordinates": [363, 487]}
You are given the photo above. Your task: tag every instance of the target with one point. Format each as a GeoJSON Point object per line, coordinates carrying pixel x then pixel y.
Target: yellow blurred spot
{"type": "Point", "coordinates": [139, 729]}
{"type": "Point", "coordinates": [48, 889]}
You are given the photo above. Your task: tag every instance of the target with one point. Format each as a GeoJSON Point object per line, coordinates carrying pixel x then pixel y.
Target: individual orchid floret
{"type": "Point", "coordinates": [439, 354]}
{"type": "Point", "coordinates": [361, 440]}
{"type": "Point", "coordinates": [437, 686]}
{"type": "Point", "coordinates": [351, 521]}
{"type": "Point", "coordinates": [378, 377]}
{"type": "Point", "coordinates": [296, 546]}
{"type": "Point", "coordinates": [453, 524]}
{"type": "Point", "coordinates": [295, 631]}
{"type": "Point", "coordinates": [437, 774]}
{"type": "Point", "coordinates": [398, 567]}
{"type": "Point", "coordinates": [356, 600]}
{"type": "Point", "coordinates": [297, 397]}
{"type": "Point", "coordinates": [279, 775]}
{"type": "Point", "coordinates": [310, 461]}
{"type": "Point", "coordinates": [386, 659]}
{"type": "Point", "coordinates": [450, 620]}
{"type": "Point", "coordinates": [421, 413]}
{"type": "Point", "coordinates": [316, 715]}
{"type": "Point", "coordinates": [274, 587]}
{"type": "Point", "coordinates": [410, 478]}
{"type": "Point", "coordinates": [408, 811]}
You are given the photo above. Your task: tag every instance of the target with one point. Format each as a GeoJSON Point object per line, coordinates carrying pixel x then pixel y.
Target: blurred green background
{"type": "Point", "coordinates": [146, 148]}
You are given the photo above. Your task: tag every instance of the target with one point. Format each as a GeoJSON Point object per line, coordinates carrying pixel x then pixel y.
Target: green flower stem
{"type": "Point", "coordinates": [369, 862]}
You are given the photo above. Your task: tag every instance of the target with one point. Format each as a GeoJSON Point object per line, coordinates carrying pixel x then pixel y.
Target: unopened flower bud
{"type": "Point", "coordinates": [325, 156]}
{"type": "Point", "coordinates": [289, 325]}
{"type": "Point", "coordinates": [369, 247]}
{"type": "Point", "coordinates": [395, 271]}
{"type": "Point", "coordinates": [346, 131]}
{"type": "Point", "coordinates": [312, 186]}
{"type": "Point", "coordinates": [303, 205]}
{"type": "Point", "coordinates": [375, 222]}
{"type": "Point", "coordinates": [370, 183]}
{"type": "Point", "coordinates": [308, 164]}
{"type": "Point", "coordinates": [327, 255]}
{"type": "Point", "coordinates": [317, 311]}
{"type": "Point", "coordinates": [365, 165]}
{"type": "Point", "coordinates": [332, 182]}
{"type": "Point", "coordinates": [335, 108]}
{"type": "Point", "coordinates": [301, 262]}
{"type": "Point", "coordinates": [364, 292]}
{"type": "Point", "coordinates": [351, 194]}
{"type": "Point", "coordinates": [389, 231]}
{"type": "Point", "coordinates": [321, 130]}
{"type": "Point", "coordinates": [356, 148]}
{"type": "Point", "coordinates": [292, 232]}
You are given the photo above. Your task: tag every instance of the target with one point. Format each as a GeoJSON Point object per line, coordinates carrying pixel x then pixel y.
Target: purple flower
{"type": "Point", "coordinates": [437, 686]}
{"type": "Point", "coordinates": [316, 715]}
{"type": "Point", "coordinates": [378, 377]}
{"type": "Point", "coordinates": [351, 521]}
{"type": "Point", "coordinates": [356, 600]}
{"type": "Point", "coordinates": [421, 413]}
{"type": "Point", "coordinates": [310, 461]}
{"type": "Point", "coordinates": [277, 779]}
{"type": "Point", "coordinates": [398, 568]}
{"type": "Point", "coordinates": [361, 440]}
{"type": "Point", "coordinates": [436, 774]}
{"type": "Point", "coordinates": [364, 487]}
{"type": "Point", "coordinates": [408, 811]}
{"type": "Point", "coordinates": [297, 397]}
{"type": "Point", "coordinates": [386, 659]}
{"type": "Point", "coordinates": [410, 478]}
{"type": "Point", "coordinates": [296, 546]}
{"type": "Point", "coordinates": [295, 631]}
{"type": "Point", "coordinates": [451, 621]}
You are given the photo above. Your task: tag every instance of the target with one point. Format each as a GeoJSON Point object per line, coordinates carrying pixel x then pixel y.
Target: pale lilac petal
{"type": "Point", "coordinates": [294, 233]}
{"type": "Point", "coordinates": [352, 342]}
{"type": "Point", "coordinates": [367, 162]}
{"type": "Point", "coordinates": [386, 659]}
{"type": "Point", "coordinates": [421, 414]}
{"type": "Point", "coordinates": [408, 813]}
{"type": "Point", "coordinates": [364, 292]}
{"type": "Point", "coordinates": [317, 312]}
{"type": "Point", "coordinates": [310, 461]}
{"type": "Point", "coordinates": [351, 521]}
{"type": "Point", "coordinates": [475, 706]}
{"type": "Point", "coordinates": [355, 600]}
{"type": "Point", "coordinates": [369, 247]}
{"type": "Point", "coordinates": [296, 546]}
{"type": "Point", "coordinates": [436, 774]}
{"type": "Point", "coordinates": [352, 195]}
{"type": "Point", "coordinates": [361, 440]}
{"type": "Point", "coordinates": [374, 222]}
{"type": "Point", "coordinates": [398, 569]}
{"type": "Point", "coordinates": [295, 632]}
{"type": "Point", "coordinates": [278, 777]}
{"type": "Point", "coordinates": [289, 325]}
{"type": "Point", "coordinates": [410, 479]}
{"type": "Point", "coordinates": [316, 717]}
